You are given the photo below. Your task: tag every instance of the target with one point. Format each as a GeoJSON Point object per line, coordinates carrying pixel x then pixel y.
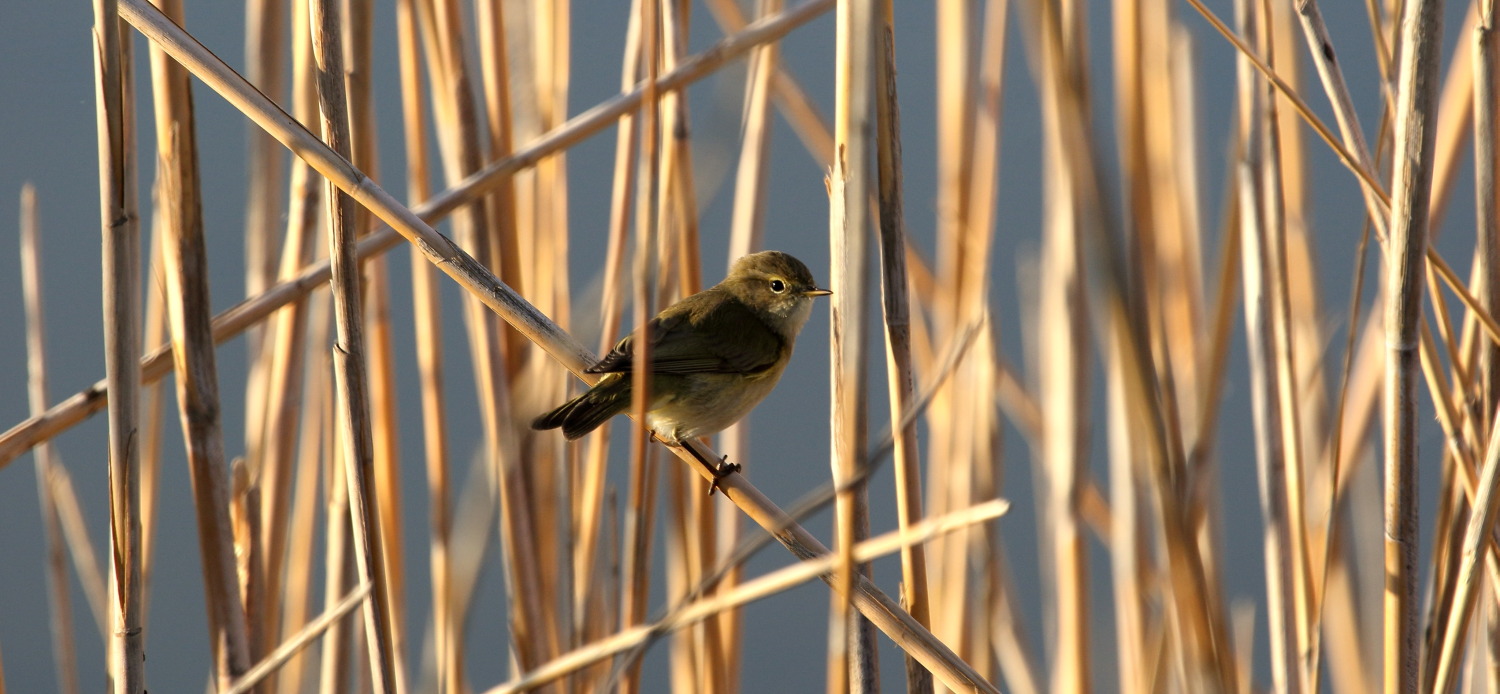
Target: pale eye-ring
{"type": "Point", "coordinates": [778, 286]}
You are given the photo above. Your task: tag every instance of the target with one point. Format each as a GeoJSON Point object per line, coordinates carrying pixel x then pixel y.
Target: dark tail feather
{"type": "Point", "coordinates": [586, 412]}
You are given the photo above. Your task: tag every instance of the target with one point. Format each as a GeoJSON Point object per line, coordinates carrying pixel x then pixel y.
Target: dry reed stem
{"type": "Point", "coordinates": [298, 641]}
{"type": "Point", "coordinates": [265, 65]}
{"type": "Point", "coordinates": [358, 37]}
{"type": "Point", "coordinates": [1330, 73]}
{"type": "Point", "coordinates": [341, 639]}
{"type": "Point", "coordinates": [1128, 558]}
{"type": "Point", "coordinates": [265, 51]}
{"type": "Point", "coordinates": [897, 313]}
{"type": "Point", "coordinates": [230, 323]}
{"type": "Point", "coordinates": [852, 661]}
{"type": "Point", "coordinates": [349, 351]}
{"type": "Point", "coordinates": [1064, 359]}
{"type": "Point", "coordinates": [1274, 258]}
{"type": "Point", "coordinates": [1485, 54]}
{"type": "Point", "coordinates": [459, 124]}
{"type": "Point", "coordinates": [81, 548]}
{"type": "Point", "coordinates": [185, 260]}
{"type": "Point", "coordinates": [594, 468]}
{"type": "Point", "coordinates": [60, 624]}
{"type": "Point", "coordinates": [1462, 451]}
{"type": "Point", "coordinates": [1460, 372]}
{"type": "Point", "coordinates": [746, 235]}
{"type": "Point", "coordinates": [644, 287]}
{"type": "Point", "coordinates": [759, 588]}
{"type": "Point", "coordinates": [1412, 180]}
{"type": "Point", "coordinates": [495, 77]}
{"type": "Point", "coordinates": [690, 532]}
{"type": "Point", "coordinates": [427, 323]}
{"type": "Point", "coordinates": [270, 438]}
{"type": "Point", "coordinates": [1476, 541]}
{"type": "Point", "coordinates": [747, 223]}
{"type": "Point", "coordinates": [1269, 434]}
{"type": "Point", "coordinates": [152, 405]}
{"type": "Point", "coordinates": [296, 590]}
{"type": "Point", "coordinates": [677, 197]}
{"type": "Point", "coordinates": [1454, 111]}
{"type": "Point", "coordinates": [115, 104]}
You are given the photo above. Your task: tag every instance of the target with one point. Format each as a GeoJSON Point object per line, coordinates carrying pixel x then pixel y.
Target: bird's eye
{"type": "Point", "coordinates": [778, 286]}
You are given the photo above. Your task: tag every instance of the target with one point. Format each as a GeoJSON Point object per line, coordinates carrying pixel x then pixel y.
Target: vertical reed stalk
{"type": "Point", "coordinates": [747, 224]}
{"type": "Point", "coordinates": [1416, 87]}
{"type": "Point", "coordinates": [459, 121]}
{"type": "Point", "coordinates": [296, 589]}
{"type": "Point", "coordinates": [852, 662]}
{"type": "Point", "coordinates": [154, 331]}
{"type": "Point", "coordinates": [642, 467]}
{"type": "Point", "coordinates": [950, 483]}
{"type": "Point", "coordinates": [60, 626]}
{"type": "Point", "coordinates": [114, 105]}
{"type": "Point", "coordinates": [427, 318]}
{"type": "Point", "coordinates": [1448, 649]}
{"type": "Point", "coordinates": [746, 235]}
{"type": "Point", "coordinates": [1134, 43]}
{"type": "Point", "coordinates": [495, 69]}
{"type": "Point", "coordinates": [897, 311]}
{"type": "Point", "coordinates": [339, 643]}
{"type": "Point", "coordinates": [691, 533]}
{"type": "Point", "coordinates": [1485, 53]}
{"type": "Point", "coordinates": [1063, 363]}
{"type": "Point", "coordinates": [1448, 646]}
{"type": "Point", "coordinates": [588, 566]}
{"type": "Point", "coordinates": [186, 261]}
{"type": "Point", "coordinates": [1274, 256]}
{"type": "Point", "coordinates": [271, 440]}
{"type": "Point", "coordinates": [1260, 291]}
{"type": "Point", "coordinates": [375, 299]}
{"type": "Point", "coordinates": [1453, 113]}
{"type": "Point", "coordinates": [265, 64]}
{"type": "Point", "coordinates": [349, 352]}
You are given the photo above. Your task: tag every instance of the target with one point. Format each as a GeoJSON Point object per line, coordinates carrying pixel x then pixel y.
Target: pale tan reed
{"type": "Point", "coordinates": [119, 226]}
{"type": "Point", "coordinates": [1123, 304]}
{"type": "Point", "coordinates": [65, 655]}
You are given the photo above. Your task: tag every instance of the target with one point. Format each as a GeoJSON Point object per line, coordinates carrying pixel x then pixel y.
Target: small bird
{"type": "Point", "coordinates": [714, 355]}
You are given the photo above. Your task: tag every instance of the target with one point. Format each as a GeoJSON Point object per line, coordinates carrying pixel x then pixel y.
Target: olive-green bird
{"type": "Point", "coordinates": [714, 355]}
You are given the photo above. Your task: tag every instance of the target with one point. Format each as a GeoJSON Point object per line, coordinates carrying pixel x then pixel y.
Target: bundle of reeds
{"type": "Point", "coordinates": [1128, 323]}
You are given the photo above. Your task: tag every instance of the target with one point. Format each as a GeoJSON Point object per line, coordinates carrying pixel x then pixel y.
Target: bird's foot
{"type": "Point", "coordinates": [724, 469]}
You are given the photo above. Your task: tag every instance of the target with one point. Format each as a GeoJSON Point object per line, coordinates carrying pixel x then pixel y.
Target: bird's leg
{"type": "Point", "coordinates": [720, 468]}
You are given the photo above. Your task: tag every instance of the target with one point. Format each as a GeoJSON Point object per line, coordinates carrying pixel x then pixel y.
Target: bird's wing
{"type": "Point", "coordinates": [679, 348]}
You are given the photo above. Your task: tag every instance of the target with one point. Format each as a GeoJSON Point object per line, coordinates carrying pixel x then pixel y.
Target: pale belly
{"type": "Point", "coordinates": [707, 404]}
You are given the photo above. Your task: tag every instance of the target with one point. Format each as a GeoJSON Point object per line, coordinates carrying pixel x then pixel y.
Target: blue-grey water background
{"type": "Point", "coordinates": [47, 116]}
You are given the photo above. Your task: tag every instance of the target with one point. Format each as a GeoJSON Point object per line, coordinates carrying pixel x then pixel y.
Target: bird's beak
{"type": "Point", "coordinates": [817, 292]}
